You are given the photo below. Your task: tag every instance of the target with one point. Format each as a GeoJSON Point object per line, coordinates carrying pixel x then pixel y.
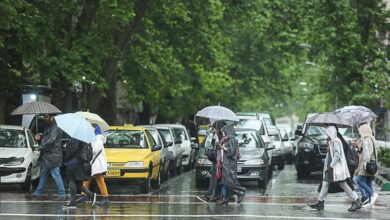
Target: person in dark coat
{"type": "Point", "coordinates": [50, 158]}
{"type": "Point", "coordinates": [75, 172]}
{"type": "Point", "coordinates": [227, 157]}
{"type": "Point", "coordinates": [211, 194]}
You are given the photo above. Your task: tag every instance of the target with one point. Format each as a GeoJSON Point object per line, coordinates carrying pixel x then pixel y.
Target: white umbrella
{"type": "Point", "coordinates": [217, 112]}
{"type": "Point", "coordinates": [94, 119]}
{"type": "Point", "coordinates": [76, 127]}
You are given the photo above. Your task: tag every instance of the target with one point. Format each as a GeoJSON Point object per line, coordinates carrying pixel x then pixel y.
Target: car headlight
{"type": "Point", "coordinates": [204, 161]}
{"type": "Point", "coordinates": [134, 164]}
{"type": "Point", "coordinates": [306, 145]}
{"type": "Point", "coordinates": [254, 162]}
{"type": "Point", "coordinates": [13, 161]}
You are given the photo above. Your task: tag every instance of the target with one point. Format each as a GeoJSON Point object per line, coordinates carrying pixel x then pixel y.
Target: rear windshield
{"type": "Point", "coordinates": [247, 140]}
{"type": "Point", "coordinates": [315, 131]}
{"type": "Point", "coordinates": [12, 138]}
{"type": "Point", "coordinates": [125, 139]}
{"type": "Point", "coordinates": [251, 124]}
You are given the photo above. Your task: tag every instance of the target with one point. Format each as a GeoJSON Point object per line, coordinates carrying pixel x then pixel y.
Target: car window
{"type": "Point", "coordinates": [179, 134]}
{"type": "Point", "coordinates": [11, 138]}
{"type": "Point", "coordinates": [125, 139]}
{"type": "Point", "coordinates": [166, 135]}
{"type": "Point", "coordinates": [154, 133]}
{"type": "Point", "coordinates": [247, 140]}
{"type": "Point", "coordinates": [152, 140]}
{"type": "Point", "coordinates": [31, 139]}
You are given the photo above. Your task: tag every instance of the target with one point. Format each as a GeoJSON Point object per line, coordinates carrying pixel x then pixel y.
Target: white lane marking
{"type": "Point", "coordinates": [173, 216]}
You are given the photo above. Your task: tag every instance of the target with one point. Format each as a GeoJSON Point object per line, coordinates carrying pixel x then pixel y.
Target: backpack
{"type": "Point", "coordinates": [86, 153]}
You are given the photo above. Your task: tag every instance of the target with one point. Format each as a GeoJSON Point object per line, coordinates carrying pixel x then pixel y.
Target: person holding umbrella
{"type": "Point", "coordinates": [50, 158]}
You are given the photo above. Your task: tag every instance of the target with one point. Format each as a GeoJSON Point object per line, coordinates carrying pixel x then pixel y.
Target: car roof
{"type": "Point", "coordinates": [127, 127]}
{"type": "Point", "coordinates": [12, 127]}
{"type": "Point", "coordinates": [170, 125]}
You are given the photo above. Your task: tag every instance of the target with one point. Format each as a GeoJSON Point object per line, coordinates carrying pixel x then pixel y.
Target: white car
{"type": "Point", "coordinates": [174, 146]}
{"type": "Point", "coordinates": [250, 121]}
{"type": "Point", "coordinates": [18, 157]}
{"type": "Point", "coordinates": [278, 154]}
{"type": "Point", "coordinates": [181, 135]}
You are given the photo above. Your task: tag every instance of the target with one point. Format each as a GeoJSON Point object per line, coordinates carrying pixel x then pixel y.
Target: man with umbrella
{"type": "Point", "coordinates": [50, 158]}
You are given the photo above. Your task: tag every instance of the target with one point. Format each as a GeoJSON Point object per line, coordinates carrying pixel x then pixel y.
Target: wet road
{"type": "Point", "coordinates": [286, 198]}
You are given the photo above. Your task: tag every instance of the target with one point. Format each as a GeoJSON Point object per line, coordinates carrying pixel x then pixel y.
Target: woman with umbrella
{"type": "Point", "coordinates": [335, 170]}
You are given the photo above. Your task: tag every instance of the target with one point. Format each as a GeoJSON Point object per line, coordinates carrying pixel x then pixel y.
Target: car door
{"type": "Point", "coordinates": [33, 144]}
{"type": "Point", "coordinates": [156, 153]}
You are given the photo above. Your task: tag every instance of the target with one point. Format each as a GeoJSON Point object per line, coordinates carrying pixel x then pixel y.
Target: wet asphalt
{"type": "Point", "coordinates": [285, 198]}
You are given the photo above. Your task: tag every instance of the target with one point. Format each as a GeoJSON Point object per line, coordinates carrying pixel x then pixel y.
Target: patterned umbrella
{"type": "Point", "coordinates": [34, 108]}
{"type": "Point", "coordinates": [357, 114]}
{"type": "Point", "coordinates": [326, 118]}
{"type": "Point", "coordinates": [217, 112]}
{"type": "Point", "coordinates": [76, 127]}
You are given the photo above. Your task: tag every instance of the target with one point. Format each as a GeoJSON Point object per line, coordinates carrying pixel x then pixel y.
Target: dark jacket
{"type": "Point", "coordinates": [51, 146]}
{"type": "Point", "coordinates": [72, 152]}
{"type": "Point", "coordinates": [229, 164]}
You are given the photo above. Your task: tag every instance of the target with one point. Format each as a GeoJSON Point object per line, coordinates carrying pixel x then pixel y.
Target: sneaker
{"type": "Point", "coordinates": [365, 200]}
{"type": "Point", "coordinates": [105, 201]}
{"type": "Point", "coordinates": [83, 198]}
{"type": "Point", "coordinates": [93, 199]}
{"type": "Point", "coordinates": [70, 205]}
{"type": "Point", "coordinates": [373, 198]}
{"type": "Point", "coordinates": [204, 198]}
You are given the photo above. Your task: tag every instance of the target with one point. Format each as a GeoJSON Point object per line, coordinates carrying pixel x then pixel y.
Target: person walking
{"type": "Point", "coordinates": [366, 151]}
{"type": "Point", "coordinates": [75, 172]}
{"type": "Point", "coordinates": [227, 156]}
{"type": "Point", "coordinates": [50, 158]}
{"type": "Point", "coordinates": [212, 194]}
{"type": "Point", "coordinates": [335, 170]}
{"type": "Point", "coordinates": [99, 167]}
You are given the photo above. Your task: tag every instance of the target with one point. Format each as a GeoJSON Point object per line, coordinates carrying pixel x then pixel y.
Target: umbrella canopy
{"type": "Point", "coordinates": [326, 118]}
{"type": "Point", "coordinates": [94, 119]}
{"type": "Point", "coordinates": [217, 112]}
{"type": "Point", "coordinates": [357, 114]}
{"type": "Point", "coordinates": [76, 127]}
{"type": "Point", "coordinates": [33, 108]}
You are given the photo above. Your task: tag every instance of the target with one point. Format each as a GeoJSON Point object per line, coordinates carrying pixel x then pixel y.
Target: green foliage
{"type": "Point", "coordinates": [384, 157]}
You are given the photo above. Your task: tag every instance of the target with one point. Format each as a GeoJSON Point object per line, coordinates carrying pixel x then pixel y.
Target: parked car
{"type": "Point", "coordinates": [18, 158]}
{"type": "Point", "coordinates": [174, 147]}
{"type": "Point", "coordinates": [288, 145]}
{"type": "Point", "coordinates": [165, 155]}
{"type": "Point", "coordinates": [311, 150]}
{"type": "Point", "coordinates": [189, 149]}
{"type": "Point", "coordinates": [202, 132]}
{"type": "Point", "coordinates": [278, 154]}
{"type": "Point", "coordinates": [254, 122]}
{"type": "Point", "coordinates": [133, 154]}
{"type": "Point", "coordinates": [254, 164]}
{"type": "Point", "coordinates": [266, 116]}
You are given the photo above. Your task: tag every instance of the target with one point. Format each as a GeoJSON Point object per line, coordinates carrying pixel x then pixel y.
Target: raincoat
{"type": "Point", "coordinates": [51, 146]}
{"type": "Point", "coordinates": [100, 163]}
{"type": "Point", "coordinates": [366, 149]}
{"type": "Point", "coordinates": [335, 167]}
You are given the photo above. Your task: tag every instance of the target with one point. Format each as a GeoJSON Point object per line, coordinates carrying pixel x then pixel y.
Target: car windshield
{"type": "Point", "coordinates": [125, 139]}
{"type": "Point", "coordinates": [250, 124]}
{"type": "Point", "coordinates": [247, 140]}
{"type": "Point", "coordinates": [12, 138]}
{"type": "Point", "coordinates": [315, 131]}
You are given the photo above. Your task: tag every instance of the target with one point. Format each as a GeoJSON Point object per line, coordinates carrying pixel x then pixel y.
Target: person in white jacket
{"type": "Point", "coordinates": [98, 167]}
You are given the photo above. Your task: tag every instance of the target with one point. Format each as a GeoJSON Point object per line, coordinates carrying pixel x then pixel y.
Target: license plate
{"type": "Point", "coordinates": [239, 169]}
{"type": "Point", "coordinates": [113, 172]}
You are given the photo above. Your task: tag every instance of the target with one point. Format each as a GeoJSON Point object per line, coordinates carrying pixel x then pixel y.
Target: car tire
{"type": "Point", "coordinates": [157, 183]}
{"type": "Point", "coordinates": [270, 171]}
{"type": "Point", "coordinates": [172, 169]}
{"type": "Point", "coordinates": [146, 184]}
{"type": "Point", "coordinates": [199, 183]}
{"type": "Point", "coordinates": [26, 186]}
{"type": "Point", "coordinates": [281, 164]}
{"type": "Point", "coordinates": [262, 184]}
{"type": "Point", "coordinates": [178, 171]}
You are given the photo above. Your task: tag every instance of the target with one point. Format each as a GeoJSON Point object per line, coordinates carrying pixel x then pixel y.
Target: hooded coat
{"type": "Point", "coordinates": [335, 163]}
{"type": "Point", "coordinates": [100, 163]}
{"type": "Point", "coordinates": [51, 146]}
{"type": "Point", "coordinates": [229, 159]}
{"type": "Point", "coordinates": [366, 149]}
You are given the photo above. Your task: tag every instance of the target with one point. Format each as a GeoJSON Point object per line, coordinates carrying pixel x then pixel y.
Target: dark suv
{"type": "Point", "coordinates": [311, 150]}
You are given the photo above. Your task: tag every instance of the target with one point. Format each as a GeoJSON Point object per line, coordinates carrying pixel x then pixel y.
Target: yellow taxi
{"type": "Point", "coordinates": [133, 154]}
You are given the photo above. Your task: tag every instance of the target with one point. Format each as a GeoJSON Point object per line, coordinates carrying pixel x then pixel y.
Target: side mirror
{"type": "Point", "coordinates": [270, 147]}
{"type": "Point", "coordinates": [298, 132]}
{"type": "Point", "coordinates": [156, 147]}
{"type": "Point", "coordinates": [266, 139]}
{"type": "Point", "coordinates": [168, 144]}
{"type": "Point", "coordinates": [35, 147]}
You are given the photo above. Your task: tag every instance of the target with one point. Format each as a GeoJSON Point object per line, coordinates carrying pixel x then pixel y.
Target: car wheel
{"type": "Point", "coordinates": [302, 172]}
{"type": "Point", "coordinates": [281, 165]}
{"type": "Point", "coordinates": [199, 183]}
{"type": "Point", "coordinates": [162, 173]}
{"type": "Point", "coordinates": [179, 168]}
{"type": "Point", "coordinates": [270, 171]}
{"type": "Point", "coordinates": [157, 183]}
{"type": "Point", "coordinates": [27, 182]}
{"type": "Point", "coordinates": [262, 184]}
{"type": "Point", "coordinates": [146, 184]}
{"type": "Point", "coordinates": [172, 170]}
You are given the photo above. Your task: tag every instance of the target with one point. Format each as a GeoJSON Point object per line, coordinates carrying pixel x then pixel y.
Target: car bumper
{"type": "Point", "coordinates": [128, 173]}
{"type": "Point", "coordinates": [252, 172]}
{"type": "Point", "coordinates": [12, 174]}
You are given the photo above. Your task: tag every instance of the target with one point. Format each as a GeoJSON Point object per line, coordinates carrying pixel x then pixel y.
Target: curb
{"type": "Point", "coordinates": [382, 182]}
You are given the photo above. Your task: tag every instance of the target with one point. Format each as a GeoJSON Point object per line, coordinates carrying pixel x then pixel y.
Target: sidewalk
{"type": "Point", "coordinates": [382, 179]}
